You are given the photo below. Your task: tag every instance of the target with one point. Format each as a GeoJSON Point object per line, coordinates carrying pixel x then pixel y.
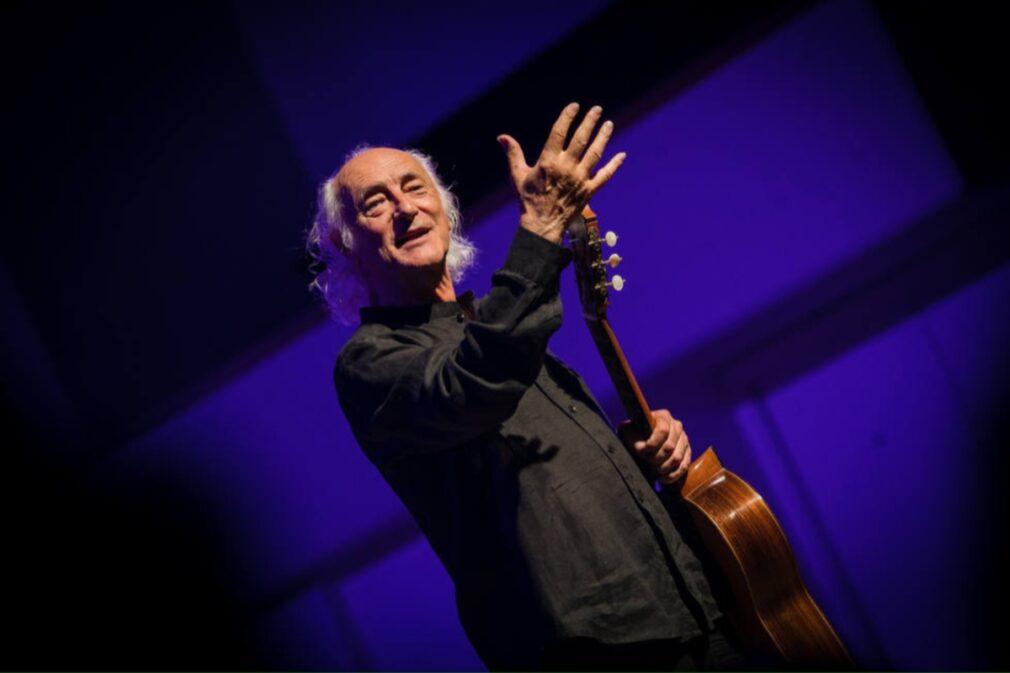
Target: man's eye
{"type": "Point", "coordinates": [415, 187]}
{"type": "Point", "coordinates": [372, 206]}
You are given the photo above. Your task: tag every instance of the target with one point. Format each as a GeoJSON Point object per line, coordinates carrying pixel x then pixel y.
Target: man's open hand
{"type": "Point", "coordinates": [667, 449]}
{"type": "Point", "coordinates": [559, 185]}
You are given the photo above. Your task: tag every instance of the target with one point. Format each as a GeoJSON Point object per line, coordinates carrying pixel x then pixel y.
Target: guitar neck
{"type": "Point", "coordinates": [620, 374]}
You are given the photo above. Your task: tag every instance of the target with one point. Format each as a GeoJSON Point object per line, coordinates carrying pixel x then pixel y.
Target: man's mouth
{"type": "Point", "coordinates": [410, 235]}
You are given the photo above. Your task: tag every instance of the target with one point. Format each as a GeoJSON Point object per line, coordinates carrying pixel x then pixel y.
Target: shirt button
{"type": "Point", "coordinates": [572, 407]}
{"type": "Point", "coordinates": [610, 449]}
{"type": "Point", "coordinates": [460, 317]}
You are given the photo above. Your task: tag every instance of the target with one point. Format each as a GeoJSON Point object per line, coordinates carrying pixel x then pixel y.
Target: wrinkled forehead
{"type": "Point", "coordinates": [377, 166]}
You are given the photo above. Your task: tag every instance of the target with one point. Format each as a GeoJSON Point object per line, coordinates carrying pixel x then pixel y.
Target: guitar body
{"type": "Point", "coordinates": [772, 610]}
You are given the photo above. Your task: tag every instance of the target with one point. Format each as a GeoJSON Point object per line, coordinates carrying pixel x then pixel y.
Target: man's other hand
{"type": "Point", "coordinates": [667, 450]}
{"type": "Point", "coordinates": [560, 184]}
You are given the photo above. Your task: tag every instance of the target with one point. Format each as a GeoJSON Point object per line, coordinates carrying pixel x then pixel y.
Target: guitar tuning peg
{"type": "Point", "coordinates": [611, 238]}
{"type": "Point", "coordinates": [616, 282]}
{"type": "Point", "coordinates": [614, 260]}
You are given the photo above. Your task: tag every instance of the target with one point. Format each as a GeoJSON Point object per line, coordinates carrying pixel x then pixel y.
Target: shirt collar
{"type": "Point", "coordinates": [419, 313]}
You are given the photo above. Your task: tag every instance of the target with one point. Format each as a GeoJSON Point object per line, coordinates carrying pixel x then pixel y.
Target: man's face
{"type": "Point", "coordinates": [401, 223]}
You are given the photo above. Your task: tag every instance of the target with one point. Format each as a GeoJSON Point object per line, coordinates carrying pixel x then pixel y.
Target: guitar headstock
{"type": "Point", "coordinates": [590, 267]}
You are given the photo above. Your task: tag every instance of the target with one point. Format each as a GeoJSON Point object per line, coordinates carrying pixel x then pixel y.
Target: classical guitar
{"type": "Point", "coordinates": [770, 607]}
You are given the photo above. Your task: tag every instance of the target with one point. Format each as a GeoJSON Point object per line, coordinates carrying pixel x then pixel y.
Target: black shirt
{"type": "Point", "coordinates": [546, 524]}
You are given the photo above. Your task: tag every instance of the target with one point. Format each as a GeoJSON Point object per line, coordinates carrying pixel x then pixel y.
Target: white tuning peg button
{"type": "Point", "coordinates": [616, 282]}
{"type": "Point", "coordinates": [611, 238]}
{"type": "Point", "coordinates": [614, 260]}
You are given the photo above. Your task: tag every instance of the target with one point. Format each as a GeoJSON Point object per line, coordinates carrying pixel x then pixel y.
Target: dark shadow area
{"type": "Point", "coordinates": [158, 202]}
{"type": "Point", "coordinates": [993, 531]}
{"type": "Point", "coordinates": [122, 579]}
{"type": "Point", "coordinates": [957, 54]}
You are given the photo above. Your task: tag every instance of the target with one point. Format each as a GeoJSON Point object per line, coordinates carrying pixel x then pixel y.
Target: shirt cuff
{"type": "Point", "coordinates": [535, 258]}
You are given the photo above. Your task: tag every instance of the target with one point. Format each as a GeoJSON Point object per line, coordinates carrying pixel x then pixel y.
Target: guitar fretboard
{"type": "Point", "coordinates": [620, 373]}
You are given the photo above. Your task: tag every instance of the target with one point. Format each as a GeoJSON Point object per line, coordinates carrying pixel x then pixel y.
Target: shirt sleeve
{"type": "Point", "coordinates": [405, 392]}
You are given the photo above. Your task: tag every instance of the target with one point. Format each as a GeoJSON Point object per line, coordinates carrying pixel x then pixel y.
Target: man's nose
{"type": "Point", "coordinates": [405, 209]}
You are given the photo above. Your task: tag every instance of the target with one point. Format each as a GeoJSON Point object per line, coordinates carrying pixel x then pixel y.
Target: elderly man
{"type": "Point", "coordinates": [561, 553]}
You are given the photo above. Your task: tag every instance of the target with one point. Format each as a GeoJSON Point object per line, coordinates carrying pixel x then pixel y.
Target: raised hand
{"type": "Point", "coordinates": [560, 184]}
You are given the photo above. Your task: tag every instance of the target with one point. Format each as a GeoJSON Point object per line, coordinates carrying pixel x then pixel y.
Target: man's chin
{"type": "Point", "coordinates": [423, 259]}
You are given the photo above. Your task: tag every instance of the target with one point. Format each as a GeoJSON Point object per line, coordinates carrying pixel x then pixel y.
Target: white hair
{"type": "Point", "coordinates": [335, 276]}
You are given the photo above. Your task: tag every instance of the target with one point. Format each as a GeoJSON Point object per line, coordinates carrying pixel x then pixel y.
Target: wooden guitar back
{"type": "Point", "coordinates": [772, 608]}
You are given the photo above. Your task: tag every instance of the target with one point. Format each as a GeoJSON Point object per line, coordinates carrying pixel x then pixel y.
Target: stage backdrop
{"type": "Point", "coordinates": [773, 219]}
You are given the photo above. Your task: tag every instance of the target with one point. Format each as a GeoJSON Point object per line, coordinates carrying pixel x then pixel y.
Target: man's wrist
{"type": "Point", "coordinates": [536, 258]}
{"type": "Point", "coordinates": [552, 230]}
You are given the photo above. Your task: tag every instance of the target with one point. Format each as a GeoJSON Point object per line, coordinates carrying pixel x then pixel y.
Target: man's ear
{"type": "Point", "coordinates": [338, 241]}
{"type": "Point", "coordinates": [346, 252]}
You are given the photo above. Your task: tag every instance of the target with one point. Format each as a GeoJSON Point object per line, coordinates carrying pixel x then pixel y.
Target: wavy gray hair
{"type": "Point", "coordinates": [335, 276]}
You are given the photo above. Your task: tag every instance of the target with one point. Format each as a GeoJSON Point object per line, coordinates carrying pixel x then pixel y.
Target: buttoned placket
{"type": "Point", "coordinates": [648, 503]}
{"type": "Point", "coordinates": [633, 479]}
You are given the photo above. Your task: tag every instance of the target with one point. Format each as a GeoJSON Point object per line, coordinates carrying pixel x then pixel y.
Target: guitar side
{"type": "Point", "coordinates": [772, 608]}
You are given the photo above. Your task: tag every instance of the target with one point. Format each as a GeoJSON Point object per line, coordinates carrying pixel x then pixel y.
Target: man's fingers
{"type": "Point", "coordinates": [595, 151]}
{"type": "Point", "coordinates": [605, 173]}
{"type": "Point", "coordinates": [678, 473]}
{"type": "Point", "coordinates": [585, 131]}
{"type": "Point", "coordinates": [669, 465]}
{"type": "Point", "coordinates": [683, 446]}
{"type": "Point", "coordinates": [514, 155]}
{"type": "Point", "coordinates": [658, 437]}
{"type": "Point", "coordinates": [673, 452]}
{"type": "Point", "coordinates": [556, 140]}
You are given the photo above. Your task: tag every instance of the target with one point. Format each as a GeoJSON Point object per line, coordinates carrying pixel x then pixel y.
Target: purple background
{"type": "Point", "coordinates": [765, 215]}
